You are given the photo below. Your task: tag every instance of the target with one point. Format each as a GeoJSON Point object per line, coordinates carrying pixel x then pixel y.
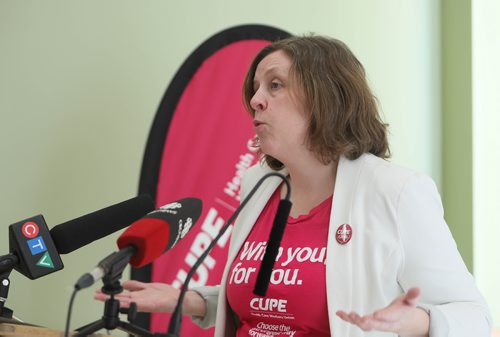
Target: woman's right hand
{"type": "Point", "coordinates": [156, 297]}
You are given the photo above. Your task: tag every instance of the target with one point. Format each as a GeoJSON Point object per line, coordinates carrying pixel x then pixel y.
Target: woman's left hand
{"type": "Point", "coordinates": [401, 316]}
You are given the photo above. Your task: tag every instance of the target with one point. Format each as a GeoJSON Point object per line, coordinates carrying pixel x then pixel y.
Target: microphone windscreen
{"type": "Point", "coordinates": [150, 236]}
{"type": "Point", "coordinates": [180, 216]}
{"type": "Point", "coordinates": [81, 231]}
{"type": "Point", "coordinates": [160, 230]}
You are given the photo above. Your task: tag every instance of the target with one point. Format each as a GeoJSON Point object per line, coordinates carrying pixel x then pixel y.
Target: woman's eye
{"type": "Point", "coordinates": [275, 85]}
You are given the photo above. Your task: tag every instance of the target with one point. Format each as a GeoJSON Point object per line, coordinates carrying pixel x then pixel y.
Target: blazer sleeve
{"type": "Point", "coordinates": [211, 296]}
{"type": "Point", "coordinates": [431, 261]}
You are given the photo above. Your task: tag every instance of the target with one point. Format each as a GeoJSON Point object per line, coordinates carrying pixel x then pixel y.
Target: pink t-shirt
{"type": "Point", "coordinates": [295, 303]}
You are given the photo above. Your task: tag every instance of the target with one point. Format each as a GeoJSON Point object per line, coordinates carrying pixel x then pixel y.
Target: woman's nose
{"type": "Point", "coordinates": [258, 102]}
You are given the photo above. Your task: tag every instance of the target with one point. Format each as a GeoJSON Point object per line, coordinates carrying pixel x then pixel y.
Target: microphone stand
{"type": "Point", "coordinates": [115, 264]}
{"type": "Point", "coordinates": [176, 318]}
{"type": "Point", "coordinates": [7, 263]}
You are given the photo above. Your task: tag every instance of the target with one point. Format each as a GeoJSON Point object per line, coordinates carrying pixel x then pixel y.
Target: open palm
{"type": "Point", "coordinates": [149, 297]}
{"type": "Point", "coordinates": [400, 316]}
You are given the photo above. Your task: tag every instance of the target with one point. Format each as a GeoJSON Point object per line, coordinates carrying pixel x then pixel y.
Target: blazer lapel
{"type": "Point", "coordinates": [339, 261]}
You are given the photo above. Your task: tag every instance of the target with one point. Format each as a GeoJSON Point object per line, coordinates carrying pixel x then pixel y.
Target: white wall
{"type": "Point", "coordinates": [486, 142]}
{"type": "Point", "coordinates": [80, 82]}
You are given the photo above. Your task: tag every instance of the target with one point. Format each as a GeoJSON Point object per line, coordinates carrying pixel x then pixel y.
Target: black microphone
{"type": "Point", "coordinates": [176, 318]}
{"type": "Point", "coordinates": [34, 250]}
{"type": "Point", "coordinates": [147, 239]}
{"type": "Point", "coordinates": [86, 229]}
{"type": "Point", "coordinates": [273, 245]}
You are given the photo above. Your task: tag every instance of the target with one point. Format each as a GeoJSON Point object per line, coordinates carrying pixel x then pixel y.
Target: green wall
{"type": "Point", "coordinates": [457, 122]}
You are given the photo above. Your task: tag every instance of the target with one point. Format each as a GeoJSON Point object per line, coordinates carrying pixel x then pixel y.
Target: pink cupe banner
{"type": "Point", "coordinates": [200, 146]}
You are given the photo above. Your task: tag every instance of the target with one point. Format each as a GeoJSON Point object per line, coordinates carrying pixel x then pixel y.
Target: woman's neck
{"type": "Point", "coordinates": [311, 182]}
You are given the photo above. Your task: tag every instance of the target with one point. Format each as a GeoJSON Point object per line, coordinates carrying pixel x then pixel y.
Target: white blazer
{"type": "Point", "coordinates": [399, 240]}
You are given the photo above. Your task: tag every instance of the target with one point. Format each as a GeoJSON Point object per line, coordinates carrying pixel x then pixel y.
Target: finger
{"type": "Point", "coordinates": [343, 315]}
{"type": "Point", "coordinates": [363, 322]}
{"type": "Point", "coordinates": [354, 316]}
{"type": "Point", "coordinates": [133, 285]}
{"type": "Point", "coordinates": [101, 296]}
{"type": "Point", "coordinates": [124, 301]}
{"type": "Point", "coordinates": [366, 323]}
{"type": "Point", "coordinates": [412, 296]}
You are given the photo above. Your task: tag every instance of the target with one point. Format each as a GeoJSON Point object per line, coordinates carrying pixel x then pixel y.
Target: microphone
{"type": "Point", "coordinates": [147, 239]}
{"type": "Point", "coordinates": [273, 245]}
{"type": "Point", "coordinates": [86, 229]}
{"type": "Point", "coordinates": [176, 318]}
{"type": "Point", "coordinates": [34, 250]}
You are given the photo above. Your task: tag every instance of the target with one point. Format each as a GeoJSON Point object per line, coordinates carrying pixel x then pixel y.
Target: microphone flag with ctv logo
{"type": "Point", "coordinates": [31, 242]}
{"type": "Point", "coordinates": [200, 146]}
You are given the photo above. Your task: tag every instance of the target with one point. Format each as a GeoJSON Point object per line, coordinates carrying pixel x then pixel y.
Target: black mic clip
{"type": "Point", "coordinates": [7, 263]}
{"type": "Point", "coordinates": [113, 265]}
{"type": "Point", "coordinates": [110, 270]}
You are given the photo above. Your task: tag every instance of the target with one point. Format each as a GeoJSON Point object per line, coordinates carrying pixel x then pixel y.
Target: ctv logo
{"type": "Point", "coordinates": [30, 229]}
{"type": "Point", "coordinates": [36, 244]}
{"type": "Point", "coordinates": [31, 241]}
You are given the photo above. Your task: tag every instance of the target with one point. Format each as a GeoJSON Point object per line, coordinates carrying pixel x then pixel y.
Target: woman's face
{"type": "Point", "coordinates": [280, 119]}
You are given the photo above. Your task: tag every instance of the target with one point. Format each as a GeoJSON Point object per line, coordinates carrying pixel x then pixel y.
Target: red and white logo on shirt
{"type": "Point", "coordinates": [343, 234]}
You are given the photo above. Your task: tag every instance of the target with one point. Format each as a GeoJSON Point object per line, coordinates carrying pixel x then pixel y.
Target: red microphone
{"type": "Point", "coordinates": [160, 230]}
{"type": "Point", "coordinates": [148, 238]}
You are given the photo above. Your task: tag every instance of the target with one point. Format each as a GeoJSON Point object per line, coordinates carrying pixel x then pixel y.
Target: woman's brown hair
{"type": "Point", "coordinates": [344, 118]}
